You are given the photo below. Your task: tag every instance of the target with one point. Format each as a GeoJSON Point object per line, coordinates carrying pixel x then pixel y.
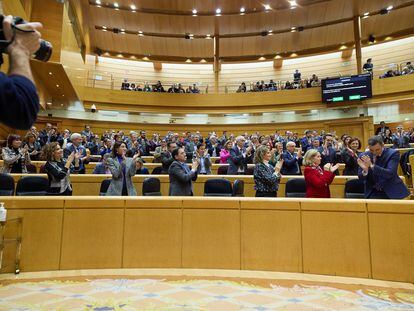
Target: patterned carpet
{"type": "Point", "coordinates": [195, 293]}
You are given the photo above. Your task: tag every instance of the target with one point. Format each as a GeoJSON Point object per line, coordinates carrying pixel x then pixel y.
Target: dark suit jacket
{"type": "Point", "coordinates": [166, 160]}
{"type": "Point", "coordinates": [181, 179]}
{"type": "Point", "coordinates": [401, 141]}
{"type": "Point", "coordinates": [384, 175]}
{"type": "Point", "coordinates": [380, 130]}
{"type": "Point", "coordinates": [71, 148]}
{"type": "Point", "coordinates": [332, 157]}
{"type": "Point", "coordinates": [237, 160]}
{"type": "Point", "coordinates": [351, 162]}
{"type": "Point", "coordinates": [291, 165]}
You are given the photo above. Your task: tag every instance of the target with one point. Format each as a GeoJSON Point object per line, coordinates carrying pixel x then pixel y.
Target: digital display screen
{"type": "Point", "coordinates": [346, 88]}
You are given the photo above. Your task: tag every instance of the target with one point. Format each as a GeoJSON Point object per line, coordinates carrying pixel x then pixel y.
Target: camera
{"type": "Point", "coordinates": [43, 53]}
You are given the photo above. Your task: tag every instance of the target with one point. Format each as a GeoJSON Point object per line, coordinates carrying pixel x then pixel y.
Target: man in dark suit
{"type": "Point", "coordinates": [239, 157]}
{"type": "Point", "coordinates": [292, 161]}
{"type": "Point", "coordinates": [181, 176]}
{"type": "Point", "coordinates": [213, 146]}
{"type": "Point", "coordinates": [381, 130]}
{"type": "Point", "coordinates": [329, 154]}
{"type": "Point", "coordinates": [400, 139]}
{"type": "Point", "coordinates": [306, 141]}
{"type": "Point", "coordinates": [76, 146]}
{"type": "Point", "coordinates": [167, 158]}
{"type": "Point", "coordinates": [378, 170]}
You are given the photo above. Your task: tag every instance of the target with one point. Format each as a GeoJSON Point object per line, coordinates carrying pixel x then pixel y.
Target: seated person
{"type": "Point", "coordinates": [317, 179]}
{"type": "Point", "coordinates": [297, 76]}
{"type": "Point", "coordinates": [379, 172]}
{"type": "Point", "coordinates": [196, 90]}
{"type": "Point", "coordinates": [408, 69]}
{"type": "Point", "coordinates": [368, 66]}
{"type": "Point", "coordinates": [141, 170]}
{"type": "Point", "coordinates": [147, 87]}
{"type": "Point", "coordinates": [14, 156]}
{"type": "Point", "coordinates": [102, 168]}
{"type": "Point", "coordinates": [58, 169]}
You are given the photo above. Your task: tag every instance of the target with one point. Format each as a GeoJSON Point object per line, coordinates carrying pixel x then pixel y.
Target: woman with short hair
{"type": "Point", "coordinates": [59, 169]}
{"type": "Point", "coordinates": [15, 158]}
{"type": "Point", "coordinates": [33, 146]}
{"type": "Point", "coordinates": [266, 177]}
{"type": "Point", "coordinates": [122, 170]}
{"type": "Point", "coordinates": [317, 179]}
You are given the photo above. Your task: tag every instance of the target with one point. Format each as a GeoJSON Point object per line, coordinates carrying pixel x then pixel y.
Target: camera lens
{"type": "Point", "coordinates": [44, 52]}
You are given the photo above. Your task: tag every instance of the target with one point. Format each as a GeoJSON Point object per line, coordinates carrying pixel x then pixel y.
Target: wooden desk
{"type": "Point", "coordinates": [354, 238]}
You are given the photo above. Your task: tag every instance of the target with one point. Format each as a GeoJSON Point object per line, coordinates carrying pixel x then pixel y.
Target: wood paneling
{"type": "Point", "coordinates": [211, 238]}
{"type": "Point", "coordinates": [329, 246]}
{"type": "Point", "coordinates": [338, 237]}
{"type": "Point", "coordinates": [152, 238]}
{"type": "Point", "coordinates": [271, 237]}
{"type": "Point", "coordinates": [92, 238]}
{"type": "Point", "coordinates": [392, 240]}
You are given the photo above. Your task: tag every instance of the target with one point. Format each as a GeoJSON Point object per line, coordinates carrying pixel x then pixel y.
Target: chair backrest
{"type": "Point", "coordinates": [238, 188]}
{"type": "Point", "coordinates": [354, 189]}
{"type": "Point", "coordinates": [31, 169]}
{"type": "Point", "coordinates": [42, 169]}
{"type": "Point", "coordinates": [218, 187]}
{"type": "Point", "coordinates": [32, 185]}
{"type": "Point", "coordinates": [249, 171]}
{"type": "Point", "coordinates": [151, 187]}
{"type": "Point", "coordinates": [104, 186]}
{"type": "Point", "coordinates": [217, 161]}
{"type": "Point", "coordinates": [157, 170]}
{"type": "Point", "coordinates": [222, 170]}
{"type": "Point", "coordinates": [295, 188]}
{"type": "Point", "coordinates": [6, 185]}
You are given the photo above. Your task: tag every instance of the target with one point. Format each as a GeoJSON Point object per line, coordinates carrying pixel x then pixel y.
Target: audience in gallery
{"type": "Point", "coordinates": [158, 87]}
{"type": "Point", "coordinates": [266, 176]}
{"type": "Point", "coordinates": [58, 168]}
{"type": "Point", "coordinates": [122, 169]}
{"type": "Point", "coordinates": [317, 179]}
{"type": "Point", "coordinates": [378, 169]}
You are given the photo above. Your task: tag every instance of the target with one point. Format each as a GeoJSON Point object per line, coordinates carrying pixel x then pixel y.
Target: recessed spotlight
{"type": "Point", "coordinates": [98, 2]}
{"type": "Point", "coordinates": [194, 11]}
{"type": "Point", "coordinates": [103, 27]}
{"type": "Point", "coordinates": [366, 13]}
{"type": "Point", "coordinates": [63, 95]}
{"type": "Point", "coordinates": [267, 7]}
{"type": "Point", "coordinates": [188, 60]}
{"type": "Point", "coordinates": [203, 61]}
{"type": "Point", "coordinates": [293, 4]}
{"type": "Point", "coordinates": [208, 36]}
{"type": "Point", "coordinates": [116, 5]}
{"type": "Point", "coordinates": [49, 103]}
{"type": "Point", "coordinates": [293, 29]}
{"type": "Point", "coordinates": [57, 85]}
{"type": "Point", "coordinates": [218, 11]}
{"type": "Point", "coordinates": [242, 9]}
{"type": "Point", "coordinates": [50, 73]}
{"type": "Point", "coordinates": [262, 58]}
{"type": "Point", "coordinates": [293, 55]}
{"type": "Point", "coordinates": [133, 7]}
{"type": "Point", "coordinates": [389, 8]}
{"type": "Point", "coordinates": [145, 58]}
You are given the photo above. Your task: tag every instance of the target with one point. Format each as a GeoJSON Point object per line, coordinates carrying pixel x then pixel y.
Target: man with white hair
{"type": "Point", "coordinates": [292, 161]}
{"type": "Point", "coordinates": [213, 146]}
{"type": "Point", "coordinates": [239, 157]}
{"type": "Point", "coordinates": [76, 146]}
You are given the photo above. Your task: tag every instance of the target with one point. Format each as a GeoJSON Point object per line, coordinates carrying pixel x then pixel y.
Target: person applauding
{"type": "Point", "coordinates": [318, 179]}
{"type": "Point", "coordinates": [266, 177]}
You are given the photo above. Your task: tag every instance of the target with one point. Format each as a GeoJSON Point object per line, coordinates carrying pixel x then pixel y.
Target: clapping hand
{"type": "Point", "coordinates": [278, 166]}
{"type": "Point", "coordinates": [26, 149]}
{"type": "Point", "coordinates": [71, 157]}
{"type": "Point", "coordinates": [77, 155]}
{"type": "Point", "coordinates": [367, 160]}
{"type": "Point", "coordinates": [195, 164]}
{"type": "Point", "coordinates": [136, 156]}
{"type": "Point", "coordinates": [333, 168]}
{"type": "Point", "coordinates": [299, 154]}
{"type": "Point", "coordinates": [362, 165]}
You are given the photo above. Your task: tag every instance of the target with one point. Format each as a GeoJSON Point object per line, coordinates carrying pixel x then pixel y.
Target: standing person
{"type": "Point", "coordinates": [382, 128]}
{"type": "Point", "coordinates": [159, 150]}
{"type": "Point", "coordinates": [225, 152]}
{"type": "Point", "coordinates": [266, 177]}
{"type": "Point", "coordinates": [239, 157]}
{"type": "Point", "coordinates": [306, 141]}
{"type": "Point", "coordinates": [328, 152]}
{"type": "Point", "coordinates": [167, 158]}
{"type": "Point", "coordinates": [76, 146]}
{"type": "Point", "coordinates": [349, 156]}
{"type": "Point", "coordinates": [378, 170]}
{"type": "Point", "coordinates": [400, 139]}
{"type": "Point", "coordinates": [58, 169]}
{"type": "Point", "coordinates": [33, 146]}
{"type": "Point", "coordinates": [181, 177]}
{"type": "Point", "coordinates": [122, 170]}
{"type": "Point", "coordinates": [292, 161]}
{"type": "Point", "coordinates": [317, 179]}
{"type": "Point", "coordinates": [204, 160]}
{"type": "Point", "coordinates": [15, 158]}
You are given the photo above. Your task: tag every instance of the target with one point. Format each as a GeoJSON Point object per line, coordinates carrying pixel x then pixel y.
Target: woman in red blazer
{"type": "Point", "coordinates": [317, 179]}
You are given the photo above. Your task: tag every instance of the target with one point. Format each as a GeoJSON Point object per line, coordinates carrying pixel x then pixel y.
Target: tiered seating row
{"type": "Point", "coordinates": [356, 238]}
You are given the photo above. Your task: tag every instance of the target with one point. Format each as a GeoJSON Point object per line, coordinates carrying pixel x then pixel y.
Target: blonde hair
{"type": "Point", "coordinates": [309, 157]}
{"type": "Point", "coordinates": [49, 150]}
{"type": "Point", "coordinates": [259, 153]}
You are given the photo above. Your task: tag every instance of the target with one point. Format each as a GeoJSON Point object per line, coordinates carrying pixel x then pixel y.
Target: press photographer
{"type": "Point", "coordinates": [19, 101]}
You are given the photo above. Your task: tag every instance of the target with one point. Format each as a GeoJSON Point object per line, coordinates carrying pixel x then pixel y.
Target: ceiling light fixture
{"type": "Point", "coordinates": [203, 61]}
{"type": "Point", "coordinates": [242, 9]}
{"type": "Point", "coordinates": [188, 60]}
{"type": "Point", "coordinates": [293, 29]}
{"type": "Point", "coordinates": [267, 7]}
{"type": "Point", "coordinates": [194, 11]}
{"type": "Point", "coordinates": [218, 11]}
{"type": "Point", "coordinates": [133, 7]}
{"type": "Point", "coordinates": [98, 2]}
{"type": "Point", "coordinates": [116, 5]}
{"type": "Point", "coordinates": [389, 8]}
{"type": "Point", "coordinates": [293, 4]}
{"type": "Point", "coordinates": [366, 15]}
{"type": "Point", "coordinates": [208, 36]}
{"type": "Point", "coordinates": [50, 73]}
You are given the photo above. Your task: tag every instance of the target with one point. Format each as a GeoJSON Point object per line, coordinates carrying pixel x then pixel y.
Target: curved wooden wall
{"type": "Point", "coordinates": [354, 238]}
